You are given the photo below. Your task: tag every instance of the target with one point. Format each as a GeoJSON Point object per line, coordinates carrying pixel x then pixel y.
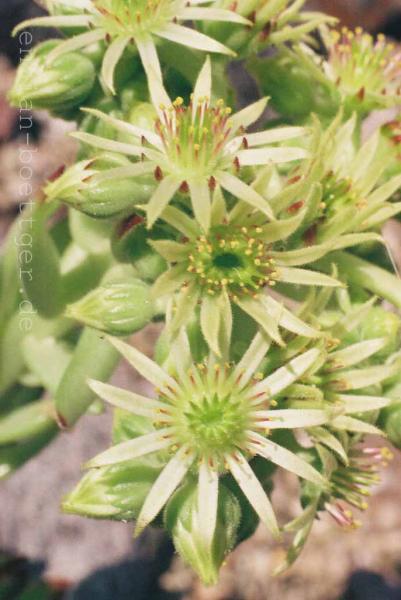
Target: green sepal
{"type": "Point", "coordinates": [180, 519]}
{"type": "Point", "coordinates": [390, 423]}
{"type": "Point", "coordinates": [26, 422]}
{"type": "Point", "coordinates": [61, 85]}
{"type": "Point", "coordinates": [116, 492]}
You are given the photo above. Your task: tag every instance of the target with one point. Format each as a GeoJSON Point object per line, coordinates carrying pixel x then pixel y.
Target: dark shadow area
{"type": "Point", "coordinates": [392, 26]}
{"type": "Point", "coordinates": [365, 585]}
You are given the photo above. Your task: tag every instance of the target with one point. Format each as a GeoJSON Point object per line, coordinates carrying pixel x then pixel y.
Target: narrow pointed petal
{"type": "Point", "coordinates": [269, 323]}
{"type": "Point", "coordinates": [208, 491]}
{"type": "Point", "coordinates": [252, 358]}
{"type": "Point", "coordinates": [357, 379]}
{"type": "Point", "coordinates": [133, 170]}
{"type": "Point", "coordinates": [53, 21]}
{"type": "Point", "coordinates": [323, 436]}
{"type": "Point", "coordinates": [160, 199]}
{"type": "Point", "coordinates": [144, 365]}
{"type": "Point", "coordinates": [171, 251]}
{"type": "Point", "coordinates": [219, 209]}
{"type": "Point", "coordinates": [110, 60]}
{"type": "Point", "coordinates": [134, 403]}
{"type": "Point", "coordinates": [184, 307]}
{"type": "Point", "coordinates": [193, 39]}
{"type": "Point", "coordinates": [151, 64]}
{"type": "Point", "coordinates": [289, 418]}
{"type": "Point", "coordinates": [244, 192]}
{"type": "Point", "coordinates": [306, 277]}
{"type": "Point", "coordinates": [226, 325]}
{"type": "Point", "coordinates": [354, 354]}
{"type": "Point", "coordinates": [210, 319]}
{"type": "Point", "coordinates": [356, 404]}
{"type": "Point", "coordinates": [261, 156]}
{"type": "Point", "coordinates": [285, 458]}
{"type": "Point", "coordinates": [287, 319]}
{"type": "Point", "coordinates": [180, 221]}
{"type": "Point", "coordinates": [169, 281]}
{"type": "Point", "coordinates": [355, 425]}
{"type": "Point", "coordinates": [271, 136]}
{"type": "Point", "coordinates": [164, 486]}
{"type": "Point", "coordinates": [74, 43]}
{"type": "Point", "coordinates": [140, 446]}
{"type": "Point", "coordinates": [253, 490]}
{"type": "Point", "coordinates": [285, 376]}
{"type": "Point", "coordinates": [203, 86]}
{"type": "Point", "coordinates": [248, 115]}
{"type": "Point", "coordinates": [212, 14]}
{"type": "Point", "coordinates": [106, 144]}
{"type": "Point", "coordinates": [125, 127]}
{"type": "Point", "coordinates": [200, 198]}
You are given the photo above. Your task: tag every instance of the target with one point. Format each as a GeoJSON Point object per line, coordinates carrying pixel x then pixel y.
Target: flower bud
{"type": "Point", "coordinates": [60, 85]}
{"type": "Point", "coordinates": [129, 244]}
{"type": "Point", "coordinates": [117, 308]}
{"type": "Point", "coordinates": [87, 187]}
{"type": "Point", "coordinates": [143, 114]}
{"type": "Point", "coordinates": [117, 492]}
{"type": "Point", "coordinates": [181, 518]}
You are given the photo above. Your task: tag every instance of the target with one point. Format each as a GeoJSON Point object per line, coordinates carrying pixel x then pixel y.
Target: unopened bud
{"type": "Point", "coordinates": [59, 85]}
{"type": "Point", "coordinates": [182, 520]}
{"type": "Point", "coordinates": [117, 308]}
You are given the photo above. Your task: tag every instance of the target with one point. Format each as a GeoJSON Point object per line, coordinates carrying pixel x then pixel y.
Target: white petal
{"type": "Point", "coordinates": [200, 198]}
{"type": "Point", "coordinates": [125, 127]}
{"type": "Point", "coordinates": [254, 491]}
{"type": "Point", "coordinates": [210, 320]}
{"type": "Point", "coordinates": [203, 87]}
{"type": "Point", "coordinates": [285, 458]}
{"type": "Point", "coordinates": [306, 277]}
{"type": "Point", "coordinates": [248, 115]}
{"type": "Point", "coordinates": [111, 57]}
{"type": "Point", "coordinates": [106, 144]}
{"type": "Point", "coordinates": [244, 192]}
{"type": "Point", "coordinates": [144, 365]}
{"type": "Point", "coordinates": [54, 21]}
{"type": "Point", "coordinates": [160, 199]}
{"type": "Point", "coordinates": [271, 136]}
{"type": "Point", "coordinates": [164, 486]}
{"type": "Point", "coordinates": [150, 60]}
{"type": "Point", "coordinates": [285, 376]}
{"type": "Point", "coordinates": [193, 39]}
{"type": "Point", "coordinates": [291, 418]}
{"type": "Point", "coordinates": [208, 490]}
{"type": "Point", "coordinates": [212, 14]}
{"type": "Point", "coordinates": [178, 219]}
{"type": "Point", "coordinates": [140, 446]}
{"type": "Point", "coordinates": [74, 43]}
{"type": "Point", "coordinates": [134, 403]}
{"type": "Point", "coordinates": [252, 358]}
{"type": "Point", "coordinates": [261, 156]}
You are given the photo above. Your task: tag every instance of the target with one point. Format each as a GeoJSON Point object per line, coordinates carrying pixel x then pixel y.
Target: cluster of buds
{"type": "Point", "coordinates": [255, 247]}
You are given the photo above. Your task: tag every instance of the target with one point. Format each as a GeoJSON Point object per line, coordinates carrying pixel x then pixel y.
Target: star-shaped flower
{"type": "Point", "coordinates": [141, 22]}
{"type": "Point", "coordinates": [194, 148]}
{"type": "Point", "coordinates": [210, 419]}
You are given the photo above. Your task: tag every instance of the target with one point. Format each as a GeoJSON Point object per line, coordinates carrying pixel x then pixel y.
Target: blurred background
{"type": "Point", "coordinates": [58, 557]}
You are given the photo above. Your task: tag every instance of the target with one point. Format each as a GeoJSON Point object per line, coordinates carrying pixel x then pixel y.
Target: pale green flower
{"type": "Point", "coordinates": [210, 419]}
{"type": "Point", "coordinates": [350, 485]}
{"type": "Point", "coordinates": [193, 148]}
{"type": "Point", "coordinates": [275, 22]}
{"type": "Point", "coordinates": [141, 22]}
{"type": "Point", "coordinates": [235, 263]}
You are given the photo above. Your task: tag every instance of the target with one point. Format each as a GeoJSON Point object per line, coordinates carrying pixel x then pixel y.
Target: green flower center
{"type": "Point", "coordinates": [210, 414]}
{"type": "Point", "coordinates": [134, 17]}
{"type": "Point", "coordinates": [233, 258]}
{"type": "Point", "coordinates": [193, 141]}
